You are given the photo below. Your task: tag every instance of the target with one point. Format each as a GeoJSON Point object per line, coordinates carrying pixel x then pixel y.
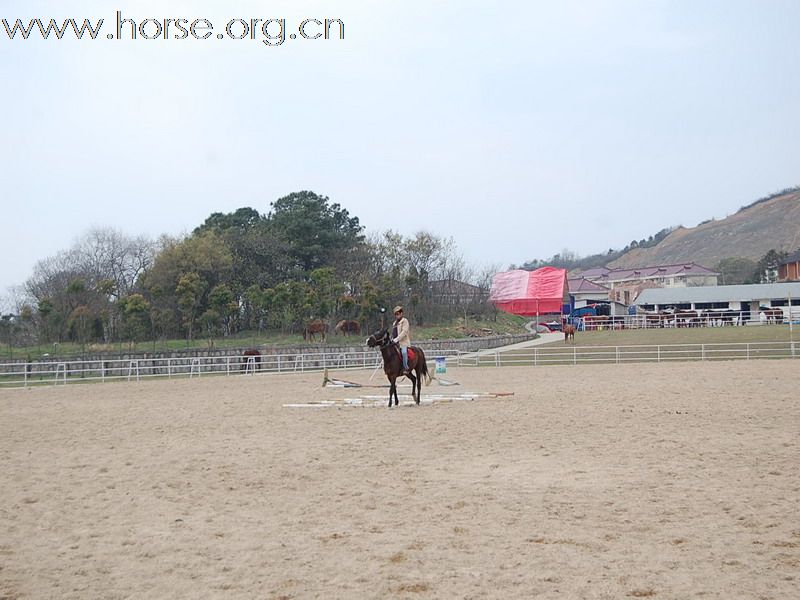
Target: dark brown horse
{"type": "Point", "coordinates": [315, 328]}
{"type": "Point", "coordinates": [393, 364]}
{"type": "Point", "coordinates": [347, 328]}
{"type": "Point", "coordinates": [774, 315]}
{"type": "Point", "coordinates": [569, 333]}
{"type": "Point", "coordinates": [246, 356]}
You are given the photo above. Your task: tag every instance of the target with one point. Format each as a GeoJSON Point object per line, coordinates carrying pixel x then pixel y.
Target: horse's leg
{"type": "Point", "coordinates": [391, 390]}
{"type": "Point", "coordinates": [396, 397]}
{"type": "Point", "coordinates": [414, 393]}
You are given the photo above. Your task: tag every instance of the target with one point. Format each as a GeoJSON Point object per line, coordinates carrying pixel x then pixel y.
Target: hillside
{"type": "Point", "coordinates": [750, 233]}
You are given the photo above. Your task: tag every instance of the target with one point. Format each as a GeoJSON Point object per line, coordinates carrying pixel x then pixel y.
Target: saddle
{"type": "Point", "coordinates": [411, 354]}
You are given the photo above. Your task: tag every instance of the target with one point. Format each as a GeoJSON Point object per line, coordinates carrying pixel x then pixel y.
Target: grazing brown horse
{"type": "Point", "coordinates": [246, 355]}
{"type": "Point", "coordinates": [393, 364]}
{"type": "Point", "coordinates": [315, 328]}
{"type": "Point", "coordinates": [569, 333]}
{"type": "Point", "coordinates": [347, 328]}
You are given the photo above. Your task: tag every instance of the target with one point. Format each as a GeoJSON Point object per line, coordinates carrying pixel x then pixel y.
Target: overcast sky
{"type": "Point", "coordinates": [517, 128]}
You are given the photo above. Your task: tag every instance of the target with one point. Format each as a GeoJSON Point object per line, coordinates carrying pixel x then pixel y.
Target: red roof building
{"type": "Point", "coordinates": [627, 284]}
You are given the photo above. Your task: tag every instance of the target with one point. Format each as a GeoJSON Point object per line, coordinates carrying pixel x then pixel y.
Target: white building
{"type": "Point", "coordinates": [739, 298]}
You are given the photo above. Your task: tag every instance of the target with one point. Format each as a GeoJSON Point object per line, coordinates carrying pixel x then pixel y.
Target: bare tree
{"type": "Point", "coordinates": [104, 265]}
{"type": "Point", "coordinates": [107, 254]}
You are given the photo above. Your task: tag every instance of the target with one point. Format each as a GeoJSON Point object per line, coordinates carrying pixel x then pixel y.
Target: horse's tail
{"type": "Point", "coordinates": [424, 369]}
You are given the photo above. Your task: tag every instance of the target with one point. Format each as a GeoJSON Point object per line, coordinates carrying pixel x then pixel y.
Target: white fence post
{"type": "Point", "coordinates": [134, 364]}
{"type": "Point", "coordinates": [61, 367]}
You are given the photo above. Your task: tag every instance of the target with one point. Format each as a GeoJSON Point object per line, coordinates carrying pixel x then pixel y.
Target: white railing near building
{"type": "Point", "coordinates": [585, 355]}
{"type": "Point", "coordinates": [684, 318]}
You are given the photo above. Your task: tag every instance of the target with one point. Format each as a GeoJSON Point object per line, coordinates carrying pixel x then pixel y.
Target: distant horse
{"type": "Point", "coordinates": [315, 328]}
{"type": "Point", "coordinates": [255, 355]}
{"type": "Point", "coordinates": [569, 333]}
{"type": "Point", "coordinates": [393, 364]}
{"type": "Point", "coordinates": [347, 328]}
{"type": "Point", "coordinates": [774, 315]}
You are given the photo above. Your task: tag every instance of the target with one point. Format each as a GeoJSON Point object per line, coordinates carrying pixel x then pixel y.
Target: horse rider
{"type": "Point", "coordinates": [401, 334]}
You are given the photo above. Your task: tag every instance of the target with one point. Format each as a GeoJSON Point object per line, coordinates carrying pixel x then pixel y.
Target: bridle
{"type": "Point", "coordinates": [381, 342]}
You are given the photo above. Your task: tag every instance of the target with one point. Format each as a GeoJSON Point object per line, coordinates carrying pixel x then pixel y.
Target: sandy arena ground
{"type": "Point", "coordinates": [663, 481]}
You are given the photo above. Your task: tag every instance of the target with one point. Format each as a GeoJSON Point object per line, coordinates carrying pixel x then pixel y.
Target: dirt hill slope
{"type": "Point", "coordinates": [750, 233]}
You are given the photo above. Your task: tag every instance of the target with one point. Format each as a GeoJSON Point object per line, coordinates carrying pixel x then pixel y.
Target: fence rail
{"type": "Point", "coordinates": [685, 318]}
{"type": "Point", "coordinates": [582, 355]}
{"type": "Point", "coordinates": [18, 375]}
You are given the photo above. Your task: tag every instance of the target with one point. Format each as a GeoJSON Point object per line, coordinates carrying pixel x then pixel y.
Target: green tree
{"type": "Point", "coordinates": [326, 291]}
{"type": "Point", "coordinates": [735, 270]}
{"type": "Point", "coordinates": [224, 305]}
{"type": "Point", "coordinates": [292, 303]}
{"type": "Point", "coordinates": [7, 332]}
{"type": "Point", "coordinates": [241, 219]}
{"type": "Point", "coordinates": [767, 267]}
{"type": "Point", "coordinates": [135, 317]}
{"type": "Point", "coordinates": [45, 310]}
{"type": "Point", "coordinates": [80, 322]}
{"type": "Point", "coordinates": [315, 230]}
{"type": "Point", "coordinates": [106, 291]}
{"type": "Point", "coordinates": [77, 291]}
{"type": "Point", "coordinates": [256, 304]}
{"type": "Point", "coordinates": [189, 292]}
{"type": "Point", "coordinates": [205, 255]}
{"type": "Point", "coordinates": [210, 321]}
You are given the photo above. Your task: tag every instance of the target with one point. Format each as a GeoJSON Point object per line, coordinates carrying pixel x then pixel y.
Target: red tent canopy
{"type": "Point", "coordinates": [543, 291]}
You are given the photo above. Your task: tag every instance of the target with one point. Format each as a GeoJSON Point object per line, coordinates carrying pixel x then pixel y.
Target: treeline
{"type": "Point", "coordinates": [738, 270]}
{"type": "Point", "coordinates": [307, 258]}
{"type": "Point", "coordinates": [732, 271]}
{"type": "Point", "coordinates": [569, 260]}
{"type": "Point", "coordinates": [783, 192]}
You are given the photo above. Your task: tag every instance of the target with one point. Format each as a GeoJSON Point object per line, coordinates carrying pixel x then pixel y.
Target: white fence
{"type": "Point", "coordinates": [582, 355]}
{"type": "Point", "coordinates": [17, 375]}
{"type": "Point", "coordinates": [686, 318]}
